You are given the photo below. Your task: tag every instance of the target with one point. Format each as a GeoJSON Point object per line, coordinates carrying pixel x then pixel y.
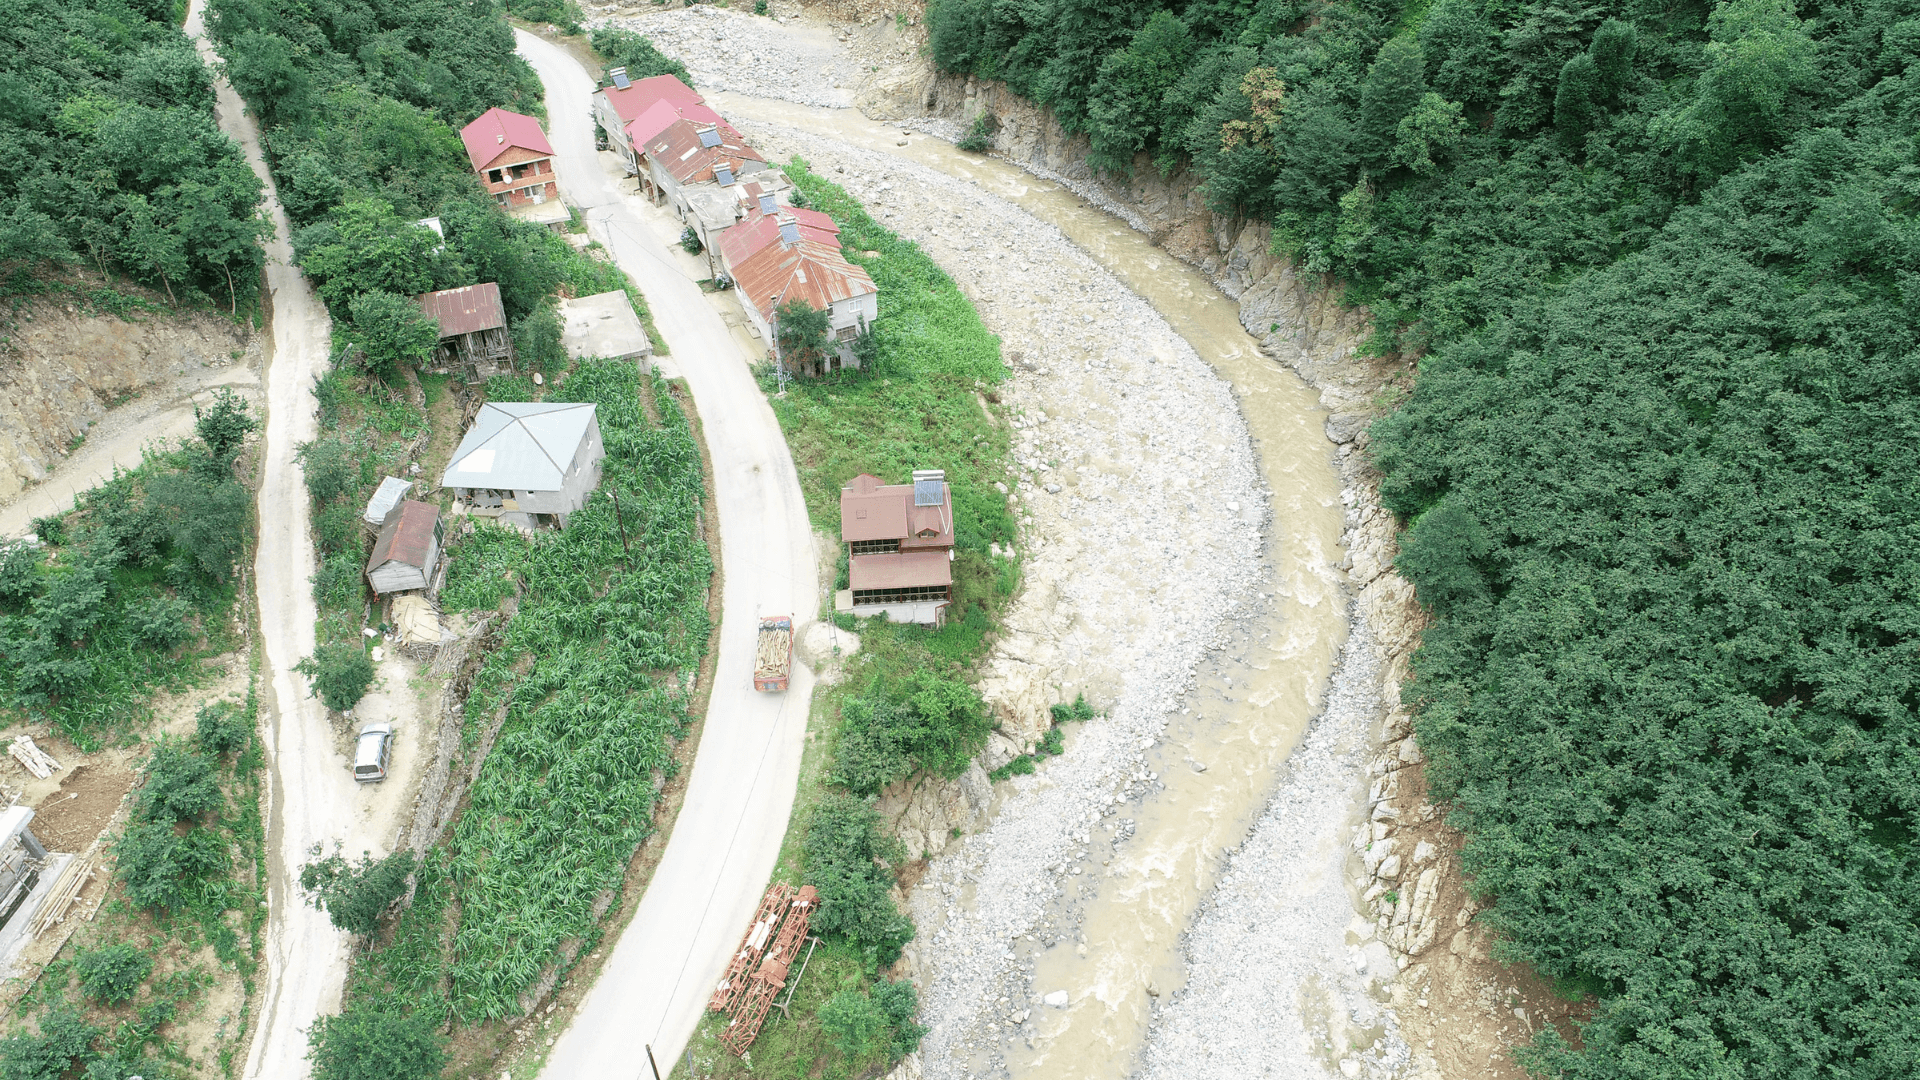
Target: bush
{"type": "Point", "coordinates": [336, 529]}
{"type": "Point", "coordinates": [392, 332]}
{"type": "Point", "coordinates": [51, 529]}
{"type": "Point", "coordinates": [222, 728]}
{"type": "Point", "coordinates": [337, 585]}
{"type": "Point", "coordinates": [355, 896]}
{"type": "Point", "coordinates": [110, 975]}
{"type": "Point", "coordinates": [900, 1002]}
{"type": "Point", "coordinates": [19, 573]}
{"type": "Point", "coordinates": [158, 869]}
{"type": "Point", "coordinates": [849, 854]}
{"type": "Point", "coordinates": [340, 672]}
{"type": "Point", "coordinates": [925, 721]}
{"type": "Point", "coordinates": [538, 343]}
{"type": "Point", "coordinates": [373, 1040]}
{"type": "Point", "coordinates": [181, 785]}
{"type": "Point", "coordinates": [979, 138]}
{"type": "Point", "coordinates": [690, 241]}
{"type": "Point", "coordinates": [854, 1021]}
{"type": "Point", "coordinates": [624, 48]}
{"type": "Point", "coordinates": [225, 425]}
{"type": "Point", "coordinates": [210, 520]}
{"type": "Point", "coordinates": [330, 467]}
{"type": "Point", "coordinates": [64, 1037]}
{"type": "Point", "coordinates": [160, 622]}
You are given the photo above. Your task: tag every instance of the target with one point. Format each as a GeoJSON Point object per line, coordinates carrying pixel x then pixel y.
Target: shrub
{"type": "Point", "coordinates": [900, 1001]}
{"type": "Point", "coordinates": [848, 855]}
{"type": "Point", "coordinates": [224, 425]}
{"type": "Point", "coordinates": [373, 1040]}
{"type": "Point", "coordinates": [51, 529]}
{"type": "Point", "coordinates": [337, 584]}
{"type": "Point", "coordinates": [160, 622]}
{"type": "Point", "coordinates": [624, 48]}
{"type": "Point", "coordinates": [854, 1021]}
{"type": "Point", "coordinates": [181, 785]}
{"type": "Point", "coordinates": [336, 529]}
{"type": "Point", "coordinates": [690, 241]}
{"type": "Point", "coordinates": [805, 333]}
{"type": "Point", "coordinates": [538, 343]}
{"type": "Point", "coordinates": [64, 1037]}
{"type": "Point", "coordinates": [355, 896]}
{"type": "Point", "coordinates": [1079, 710]}
{"type": "Point", "coordinates": [340, 672]}
{"type": "Point", "coordinates": [330, 468]}
{"type": "Point", "coordinates": [158, 868]}
{"type": "Point", "coordinates": [19, 573]}
{"type": "Point", "coordinates": [111, 974]}
{"type": "Point", "coordinates": [209, 520]}
{"type": "Point", "coordinates": [979, 137]}
{"type": "Point", "coordinates": [222, 728]}
{"type": "Point", "coordinates": [392, 331]}
{"type": "Point", "coordinates": [925, 721]}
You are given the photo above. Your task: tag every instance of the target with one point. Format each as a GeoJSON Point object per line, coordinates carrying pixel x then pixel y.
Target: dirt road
{"type": "Point", "coordinates": [727, 838]}
{"type": "Point", "coordinates": [120, 441]}
{"type": "Point", "coordinates": [311, 796]}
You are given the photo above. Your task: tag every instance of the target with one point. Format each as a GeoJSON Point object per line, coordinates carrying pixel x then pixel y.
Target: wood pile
{"type": "Point", "coordinates": [31, 757]}
{"type": "Point", "coordinates": [78, 871]}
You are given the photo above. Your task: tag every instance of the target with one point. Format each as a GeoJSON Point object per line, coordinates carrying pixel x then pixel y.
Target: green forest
{"type": "Point", "coordinates": [107, 113]}
{"type": "Point", "coordinates": [1658, 267]}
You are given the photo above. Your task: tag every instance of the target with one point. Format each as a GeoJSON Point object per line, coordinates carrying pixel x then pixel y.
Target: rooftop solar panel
{"type": "Point", "coordinates": [619, 77]}
{"type": "Point", "coordinates": [724, 175]}
{"type": "Point", "coordinates": [710, 137]}
{"type": "Point", "coordinates": [789, 232]}
{"type": "Point", "coordinates": [929, 492]}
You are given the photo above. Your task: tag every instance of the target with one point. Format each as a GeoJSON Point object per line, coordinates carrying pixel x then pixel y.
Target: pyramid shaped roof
{"type": "Point", "coordinates": [520, 445]}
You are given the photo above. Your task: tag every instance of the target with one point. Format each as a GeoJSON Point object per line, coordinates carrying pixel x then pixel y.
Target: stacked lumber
{"type": "Point", "coordinates": [78, 871]}
{"type": "Point", "coordinates": [35, 760]}
{"type": "Point", "coordinates": [750, 1011]}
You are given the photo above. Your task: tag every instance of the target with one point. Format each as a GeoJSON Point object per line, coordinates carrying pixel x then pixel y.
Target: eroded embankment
{"type": "Point", "coordinates": [1150, 584]}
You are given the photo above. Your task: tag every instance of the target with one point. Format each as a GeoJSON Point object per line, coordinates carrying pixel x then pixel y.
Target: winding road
{"type": "Point", "coordinates": [655, 984]}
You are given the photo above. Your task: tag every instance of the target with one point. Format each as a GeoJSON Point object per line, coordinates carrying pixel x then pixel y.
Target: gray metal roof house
{"type": "Point", "coordinates": [527, 457]}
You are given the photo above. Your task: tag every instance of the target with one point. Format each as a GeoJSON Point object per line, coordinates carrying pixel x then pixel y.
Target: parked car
{"type": "Point", "coordinates": [371, 751]}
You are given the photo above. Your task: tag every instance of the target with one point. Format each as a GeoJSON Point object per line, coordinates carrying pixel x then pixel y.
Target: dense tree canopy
{"type": "Point", "coordinates": [1660, 267]}
{"type": "Point", "coordinates": [108, 114]}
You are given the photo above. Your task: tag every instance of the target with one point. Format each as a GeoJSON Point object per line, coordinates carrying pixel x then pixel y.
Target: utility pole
{"type": "Point", "coordinates": [622, 520]}
{"type": "Point", "coordinates": [650, 1061]}
{"type": "Point", "coordinates": [779, 365]}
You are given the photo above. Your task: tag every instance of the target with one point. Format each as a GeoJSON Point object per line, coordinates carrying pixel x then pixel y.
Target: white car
{"type": "Point", "coordinates": [371, 751]}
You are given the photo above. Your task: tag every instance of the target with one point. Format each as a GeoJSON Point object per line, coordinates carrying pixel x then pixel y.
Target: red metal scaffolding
{"type": "Point", "coordinates": [759, 932]}
{"type": "Point", "coordinates": [750, 1009]}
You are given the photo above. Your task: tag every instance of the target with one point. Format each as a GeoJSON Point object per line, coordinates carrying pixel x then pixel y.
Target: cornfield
{"type": "Point", "coordinates": [567, 792]}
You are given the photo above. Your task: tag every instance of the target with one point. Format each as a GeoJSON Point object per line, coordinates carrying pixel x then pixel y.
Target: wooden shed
{"type": "Point", "coordinates": [408, 549]}
{"type": "Point", "coordinates": [474, 340]}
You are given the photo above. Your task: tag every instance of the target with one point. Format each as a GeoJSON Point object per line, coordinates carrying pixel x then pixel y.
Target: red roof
{"type": "Point", "coordinates": [628, 104]}
{"type": "Point", "coordinates": [496, 131]}
{"type": "Point", "coordinates": [466, 309]}
{"type": "Point", "coordinates": [870, 510]}
{"type": "Point", "coordinates": [407, 536]}
{"type": "Point", "coordinates": [899, 570]}
{"type": "Point", "coordinates": [809, 270]}
{"type": "Point", "coordinates": [662, 115]}
{"type": "Point", "coordinates": [678, 150]}
{"type": "Point", "coordinates": [738, 243]}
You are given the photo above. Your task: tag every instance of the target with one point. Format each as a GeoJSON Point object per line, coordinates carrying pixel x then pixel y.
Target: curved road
{"type": "Point", "coordinates": [726, 840]}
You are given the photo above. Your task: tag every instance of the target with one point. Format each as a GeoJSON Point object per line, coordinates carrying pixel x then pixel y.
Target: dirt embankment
{"type": "Point", "coordinates": [67, 368]}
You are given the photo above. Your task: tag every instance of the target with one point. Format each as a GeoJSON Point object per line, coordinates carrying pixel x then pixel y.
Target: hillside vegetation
{"type": "Point", "coordinates": [107, 114]}
{"type": "Point", "coordinates": [1659, 266]}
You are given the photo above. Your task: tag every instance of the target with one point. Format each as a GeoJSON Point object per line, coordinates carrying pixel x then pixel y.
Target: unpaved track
{"type": "Point", "coordinates": [726, 839]}
{"type": "Point", "coordinates": [124, 448]}
{"type": "Point", "coordinates": [311, 796]}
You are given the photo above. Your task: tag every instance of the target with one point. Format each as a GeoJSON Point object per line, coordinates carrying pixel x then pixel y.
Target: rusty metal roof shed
{"type": "Point", "coordinates": [466, 309]}
{"type": "Point", "coordinates": [407, 536]}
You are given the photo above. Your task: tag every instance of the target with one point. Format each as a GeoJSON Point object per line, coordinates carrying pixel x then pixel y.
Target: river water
{"type": "Point", "coordinates": [1253, 698]}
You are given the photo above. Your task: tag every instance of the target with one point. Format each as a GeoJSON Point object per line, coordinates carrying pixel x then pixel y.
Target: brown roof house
{"type": "Point", "coordinates": [407, 551]}
{"type": "Point", "coordinates": [473, 331]}
{"type": "Point", "coordinates": [790, 255]}
{"type": "Point", "coordinates": [899, 541]}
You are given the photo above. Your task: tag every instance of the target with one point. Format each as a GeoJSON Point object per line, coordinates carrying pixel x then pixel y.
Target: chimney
{"type": "Point", "coordinates": [500, 138]}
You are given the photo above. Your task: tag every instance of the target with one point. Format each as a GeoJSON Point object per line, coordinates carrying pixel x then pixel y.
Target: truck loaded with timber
{"type": "Point", "coordinates": [773, 659]}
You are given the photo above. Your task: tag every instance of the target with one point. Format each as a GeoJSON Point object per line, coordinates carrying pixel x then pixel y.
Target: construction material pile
{"type": "Point", "coordinates": [758, 971]}
{"type": "Point", "coordinates": [32, 758]}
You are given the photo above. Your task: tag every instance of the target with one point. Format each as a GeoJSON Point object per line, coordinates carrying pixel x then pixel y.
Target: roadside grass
{"type": "Point", "coordinates": [926, 401]}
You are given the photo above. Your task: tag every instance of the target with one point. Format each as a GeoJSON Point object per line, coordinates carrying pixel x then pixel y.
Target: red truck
{"type": "Point", "coordinates": [773, 659]}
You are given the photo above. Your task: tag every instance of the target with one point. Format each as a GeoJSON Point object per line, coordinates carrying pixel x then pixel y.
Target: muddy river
{"type": "Point", "coordinates": [1253, 698]}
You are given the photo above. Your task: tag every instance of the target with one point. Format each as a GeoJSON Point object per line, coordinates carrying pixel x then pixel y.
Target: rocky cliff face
{"type": "Point", "coordinates": [64, 367]}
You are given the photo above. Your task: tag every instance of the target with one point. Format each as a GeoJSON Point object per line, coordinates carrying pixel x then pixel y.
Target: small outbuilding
{"type": "Point", "coordinates": [604, 325]}
{"type": "Point", "coordinates": [527, 457]}
{"type": "Point", "coordinates": [407, 552]}
{"type": "Point", "coordinates": [391, 491]}
{"type": "Point", "coordinates": [473, 330]}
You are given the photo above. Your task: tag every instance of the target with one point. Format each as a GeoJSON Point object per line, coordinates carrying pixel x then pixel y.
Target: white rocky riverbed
{"type": "Point", "coordinates": [1144, 517]}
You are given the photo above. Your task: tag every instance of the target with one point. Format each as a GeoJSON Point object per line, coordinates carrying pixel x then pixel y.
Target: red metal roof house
{"type": "Point", "coordinates": [473, 330]}
{"type": "Point", "coordinates": [781, 257]}
{"type": "Point", "coordinates": [512, 156]}
{"type": "Point", "coordinates": [899, 541]}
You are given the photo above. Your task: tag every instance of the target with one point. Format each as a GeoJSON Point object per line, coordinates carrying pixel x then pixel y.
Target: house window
{"type": "Point", "coordinates": [848, 333]}
{"type": "Point", "coordinates": [917, 595]}
{"type": "Point", "coordinates": [493, 177]}
{"type": "Point", "coordinates": [875, 547]}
